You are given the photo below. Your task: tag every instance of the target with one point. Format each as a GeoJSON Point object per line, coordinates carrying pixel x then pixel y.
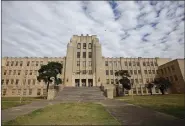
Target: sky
{"type": "Point", "coordinates": [124, 28]}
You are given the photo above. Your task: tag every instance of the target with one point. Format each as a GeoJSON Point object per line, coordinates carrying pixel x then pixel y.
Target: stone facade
{"type": "Point", "coordinates": [83, 65]}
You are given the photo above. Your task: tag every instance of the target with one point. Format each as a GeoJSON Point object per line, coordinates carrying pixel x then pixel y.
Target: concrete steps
{"type": "Point", "coordinates": [86, 94]}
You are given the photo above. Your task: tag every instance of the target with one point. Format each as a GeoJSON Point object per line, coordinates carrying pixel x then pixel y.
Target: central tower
{"type": "Point", "coordinates": [83, 61]}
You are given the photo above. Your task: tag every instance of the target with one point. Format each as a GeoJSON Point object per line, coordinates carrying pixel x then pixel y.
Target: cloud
{"type": "Point", "coordinates": [124, 28]}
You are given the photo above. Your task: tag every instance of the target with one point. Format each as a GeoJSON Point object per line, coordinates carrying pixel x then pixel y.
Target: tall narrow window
{"type": "Point", "coordinates": [41, 63]}
{"type": "Point", "coordinates": [107, 72]}
{"type": "Point", "coordinates": [37, 63]}
{"type": "Point", "coordinates": [17, 81]}
{"type": "Point", "coordinates": [10, 72]}
{"type": "Point", "coordinates": [111, 72]}
{"type": "Point", "coordinates": [14, 72]}
{"type": "Point", "coordinates": [152, 64]}
{"type": "Point", "coordinates": [90, 46]}
{"type": "Point", "coordinates": [29, 81]}
{"type": "Point", "coordinates": [7, 81]}
{"type": "Point", "coordinates": [90, 63]}
{"type": "Point", "coordinates": [12, 63]}
{"type": "Point", "coordinates": [5, 72]}
{"type": "Point", "coordinates": [78, 63]}
{"type": "Point", "coordinates": [33, 82]}
{"type": "Point", "coordinates": [7, 64]}
{"type": "Point", "coordinates": [78, 54]}
{"type": "Point", "coordinates": [21, 62]}
{"type": "Point", "coordinates": [79, 45]}
{"type": "Point", "coordinates": [19, 72]}
{"type": "Point", "coordinates": [28, 63]}
{"type": "Point", "coordinates": [134, 64]}
{"type": "Point", "coordinates": [125, 63]}
{"type": "Point", "coordinates": [131, 72]}
{"type": "Point", "coordinates": [12, 81]}
{"type": "Point", "coordinates": [144, 64]}
{"type": "Point", "coordinates": [90, 54]}
{"type": "Point", "coordinates": [135, 72]}
{"type": "Point", "coordinates": [139, 71]}
{"type": "Point", "coordinates": [138, 64]}
{"type": "Point", "coordinates": [84, 64]}
{"type": "Point", "coordinates": [84, 54]}
{"type": "Point", "coordinates": [84, 45]}
{"type": "Point", "coordinates": [129, 63]}
{"type": "Point", "coordinates": [16, 64]}
{"type": "Point", "coordinates": [106, 63]}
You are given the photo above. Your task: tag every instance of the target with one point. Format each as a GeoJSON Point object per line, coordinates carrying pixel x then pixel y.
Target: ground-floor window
{"type": "Point", "coordinates": [38, 91]}
{"type": "Point", "coordinates": [134, 90]}
{"type": "Point", "coordinates": [13, 91]}
{"type": "Point", "coordinates": [4, 92]}
{"type": "Point", "coordinates": [156, 90]}
{"type": "Point", "coordinates": [112, 81]}
{"type": "Point", "coordinates": [144, 90]}
{"type": "Point", "coordinates": [139, 90]}
{"type": "Point", "coordinates": [19, 92]}
{"type": "Point", "coordinates": [44, 92]}
{"type": "Point", "coordinates": [30, 91]}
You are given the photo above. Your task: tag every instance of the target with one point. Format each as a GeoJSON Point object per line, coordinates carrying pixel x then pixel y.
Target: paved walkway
{"type": "Point", "coordinates": [125, 113]}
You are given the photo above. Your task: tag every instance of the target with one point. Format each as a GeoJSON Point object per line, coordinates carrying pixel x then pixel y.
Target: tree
{"type": "Point", "coordinates": [150, 85]}
{"type": "Point", "coordinates": [49, 71]}
{"type": "Point", "coordinates": [162, 84]}
{"type": "Point", "coordinates": [124, 79]}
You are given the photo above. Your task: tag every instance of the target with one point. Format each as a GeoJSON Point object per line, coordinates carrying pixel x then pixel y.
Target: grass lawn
{"type": "Point", "coordinates": [8, 102]}
{"type": "Point", "coordinates": [67, 114]}
{"type": "Point", "coordinates": [172, 104]}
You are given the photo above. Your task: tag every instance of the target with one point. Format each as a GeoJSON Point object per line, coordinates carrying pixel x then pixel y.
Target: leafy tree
{"type": "Point", "coordinates": [150, 85]}
{"type": "Point", "coordinates": [124, 79]}
{"type": "Point", "coordinates": [162, 84]}
{"type": "Point", "coordinates": [49, 71]}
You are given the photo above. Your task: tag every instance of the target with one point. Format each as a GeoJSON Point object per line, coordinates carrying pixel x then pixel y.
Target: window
{"type": "Point", "coordinates": [32, 63]}
{"type": "Point", "coordinates": [84, 54]}
{"type": "Point", "coordinates": [90, 63]}
{"type": "Point", "coordinates": [139, 71]}
{"type": "Point", "coordinates": [44, 92]}
{"type": "Point", "coordinates": [106, 63]}
{"type": "Point", "coordinates": [153, 71]}
{"type": "Point", "coordinates": [90, 46]}
{"type": "Point", "coordinates": [156, 64]}
{"type": "Point", "coordinates": [30, 72]}
{"type": "Point", "coordinates": [139, 90]}
{"type": "Point", "coordinates": [78, 54]}
{"type": "Point", "coordinates": [84, 72]}
{"type": "Point", "coordinates": [30, 91]}
{"type": "Point", "coordinates": [26, 72]}
{"type": "Point", "coordinates": [136, 81]}
{"type": "Point", "coordinates": [176, 79]}
{"type": "Point", "coordinates": [12, 81]}
{"type": "Point", "coordinates": [162, 71]}
{"type": "Point", "coordinates": [7, 81]}
{"type": "Point", "coordinates": [107, 72]}
{"type": "Point", "coordinates": [152, 64]}
{"type": "Point", "coordinates": [90, 72]}
{"type": "Point", "coordinates": [134, 64]}
{"type": "Point", "coordinates": [79, 45]}
{"type": "Point", "coordinates": [19, 92]}
{"type": "Point", "coordinates": [29, 81]}
{"type": "Point", "coordinates": [112, 81]}
{"type": "Point", "coordinates": [7, 64]}
{"type": "Point", "coordinates": [5, 72]}
{"type": "Point", "coordinates": [33, 81]}
{"type": "Point", "coordinates": [12, 63]}
{"type": "Point", "coordinates": [24, 92]}
{"type": "Point", "coordinates": [28, 63]}
{"type": "Point", "coordinates": [134, 90]}
{"type": "Point", "coordinates": [78, 63]}
{"type": "Point", "coordinates": [107, 81]}
{"type": "Point", "coordinates": [110, 63]}
{"type": "Point", "coordinates": [38, 91]}
{"type": "Point", "coordinates": [90, 54]}
{"type": "Point", "coordinates": [131, 72]}
{"type": "Point", "coordinates": [149, 71]}
{"type": "Point", "coordinates": [10, 72]}
{"type": "Point", "coordinates": [145, 71]}
{"type": "Point", "coordinates": [41, 63]}
{"type": "Point", "coordinates": [144, 90]}
{"type": "Point", "coordinates": [35, 72]}
{"type": "Point", "coordinates": [148, 64]}
{"type": "Point", "coordinates": [13, 91]}
{"type": "Point", "coordinates": [2, 81]}
{"type": "Point", "coordinates": [17, 81]}
{"type": "Point", "coordinates": [16, 64]}
{"type": "Point", "coordinates": [156, 90]}
{"type": "Point", "coordinates": [37, 63]}
{"type": "Point", "coordinates": [21, 63]}
{"type": "Point", "coordinates": [24, 81]}
{"type": "Point", "coordinates": [132, 80]}
{"type": "Point", "coordinates": [144, 64]}
{"type": "Point", "coordinates": [125, 63]}
{"type": "Point", "coordinates": [173, 68]}
{"type": "Point", "coordinates": [19, 72]}
{"type": "Point", "coordinates": [4, 92]}
{"type": "Point", "coordinates": [165, 70]}
{"type": "Point", "coordinates": [84, 45]}
{"type": "Point", "coordinates": [135, 72]}
{"type": "Point", "coordinates": [78, 72]}
{"type": "Point", "coordinates": [138, 64]}
{"type": "Point", "coordinates": [84, 63]}
{"type": "Point", "coordinates": [111, 72]}
{"type": "Point", "coordinates": [129, 63]}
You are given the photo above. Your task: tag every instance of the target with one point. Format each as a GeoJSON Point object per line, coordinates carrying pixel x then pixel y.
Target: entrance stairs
{"type": "Point", "coordinates": [80, 94]}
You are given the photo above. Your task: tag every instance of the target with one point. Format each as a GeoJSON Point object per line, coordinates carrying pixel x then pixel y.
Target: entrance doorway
{"type": "Point", "coordinates": [83, 82]}
{"type": "Point", "coordinates": [77, 82]}
{"type": "Point", "coordinates": [90, 82]}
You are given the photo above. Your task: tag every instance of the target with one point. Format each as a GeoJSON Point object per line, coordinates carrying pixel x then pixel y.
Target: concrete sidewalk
{"type": "Point", "coordinates": [128, 114]}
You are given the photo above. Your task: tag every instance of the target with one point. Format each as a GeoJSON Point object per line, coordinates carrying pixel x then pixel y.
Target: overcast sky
{"type": "Point", "coordinates": [124, 28]}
